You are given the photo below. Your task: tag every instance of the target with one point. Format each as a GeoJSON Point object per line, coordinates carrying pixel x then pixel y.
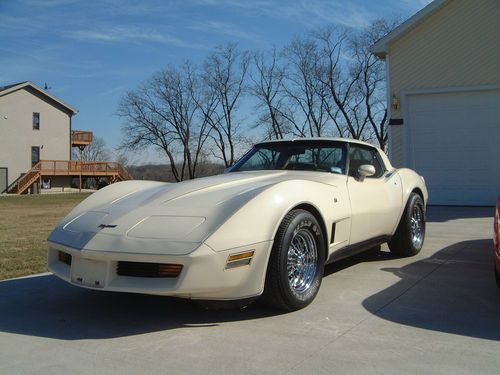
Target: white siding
{"type": "Point", "coordinates": [458, 46]}
{"type": "Point", "coordinates": [17, 134]}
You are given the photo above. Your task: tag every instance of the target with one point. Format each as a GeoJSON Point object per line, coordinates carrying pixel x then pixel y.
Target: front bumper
{"type": "Point", "coordinates": [203, 276]}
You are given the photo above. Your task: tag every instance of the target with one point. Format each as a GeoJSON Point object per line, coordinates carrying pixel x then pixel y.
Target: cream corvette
{"type": "Point", "coordinates": [264, 229]}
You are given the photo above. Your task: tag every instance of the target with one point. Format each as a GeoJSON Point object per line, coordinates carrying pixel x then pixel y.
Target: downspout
{"type": "Point", "coordinates": [389, 107]}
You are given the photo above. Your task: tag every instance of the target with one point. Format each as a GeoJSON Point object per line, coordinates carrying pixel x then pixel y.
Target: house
{"type": "Point", "coordinates": [443, 93]}
{"type": "Point", "coordinates": [36, 138]}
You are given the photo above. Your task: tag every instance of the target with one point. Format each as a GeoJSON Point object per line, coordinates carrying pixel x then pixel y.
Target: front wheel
{"type": "Point", "coordinates": [296, 263]}
{"type": "Point", "coordinates": [409, 237]}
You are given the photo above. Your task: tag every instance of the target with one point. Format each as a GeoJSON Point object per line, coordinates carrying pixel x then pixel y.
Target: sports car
{"type": "Point", "coordinates": [265, 228]}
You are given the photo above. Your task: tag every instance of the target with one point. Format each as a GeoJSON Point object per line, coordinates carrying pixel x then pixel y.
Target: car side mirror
{"type": "Point", "coordinates": [365, 170]}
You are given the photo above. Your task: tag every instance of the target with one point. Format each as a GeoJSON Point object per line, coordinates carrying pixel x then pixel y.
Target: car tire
{"type": "Point", "coordinates": [410, 233]}
{"type": "Point", "coordinates": [296, 264]}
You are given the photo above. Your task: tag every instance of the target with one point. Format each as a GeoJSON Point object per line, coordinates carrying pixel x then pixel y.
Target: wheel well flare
{"type": "Point", "coordinates": [314, 211]}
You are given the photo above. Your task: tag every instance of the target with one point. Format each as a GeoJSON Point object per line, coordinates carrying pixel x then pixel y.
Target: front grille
{"type": "Point", "coordinates": [64, 257]}
{"type": "Point", "coordinates": [142, 269]}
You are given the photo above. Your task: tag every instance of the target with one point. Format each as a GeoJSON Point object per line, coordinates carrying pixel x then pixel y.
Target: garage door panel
{"type": "Point", "coordinates": [454, 142]}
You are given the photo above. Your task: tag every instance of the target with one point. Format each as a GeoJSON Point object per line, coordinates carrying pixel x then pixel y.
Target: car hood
{"type": "Point", "coordinates": [182, 214]}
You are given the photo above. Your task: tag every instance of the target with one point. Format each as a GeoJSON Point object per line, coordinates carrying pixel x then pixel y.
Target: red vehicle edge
{"type": "Point", "coordinates": [496, 241]}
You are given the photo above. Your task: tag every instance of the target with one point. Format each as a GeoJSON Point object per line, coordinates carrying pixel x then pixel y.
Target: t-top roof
{"type": "Point", "coordinates": [318, 139]}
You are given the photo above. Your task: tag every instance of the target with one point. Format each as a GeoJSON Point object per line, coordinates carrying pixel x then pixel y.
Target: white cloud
{"type": "Point", "coordinates": [48, 3]}
{"type": "Point", "coordinates": [127, 34]}
{"type": "Point", "coordinates": [341, 12]}
{"type": "Point", "coordinates": [224, 28]}
{"type": "Point", "coordinates": [307, 12]}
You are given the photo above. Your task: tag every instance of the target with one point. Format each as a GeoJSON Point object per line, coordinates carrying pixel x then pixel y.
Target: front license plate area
{"type": "Point", "coordinates": [91, 273]}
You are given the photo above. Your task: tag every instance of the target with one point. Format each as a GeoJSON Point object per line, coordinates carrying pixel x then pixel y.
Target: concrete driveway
{"type": "Point", "coordinates": [438, 312]}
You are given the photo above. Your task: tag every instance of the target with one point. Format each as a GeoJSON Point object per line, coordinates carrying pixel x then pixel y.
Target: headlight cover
{"type": "Point", "coordinates": [174, 228]}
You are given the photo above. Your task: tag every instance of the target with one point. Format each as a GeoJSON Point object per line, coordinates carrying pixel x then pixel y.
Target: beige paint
{"type": "Point", "coordinates": [456, 47]}
{"type": "Point", "coordinates": [17, 134]}
{"type": "Point", "coordinates": [219, 216]}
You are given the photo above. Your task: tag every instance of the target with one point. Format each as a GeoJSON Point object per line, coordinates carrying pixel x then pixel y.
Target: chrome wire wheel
{"type": "Point", "coordinates": [417, 226]}
{"type": "Point", "coordinates": [302, 261]}
{"type": "Point", "coordinates": [409, 237]}
{"type": "Point", "coordinates": [296, 263]}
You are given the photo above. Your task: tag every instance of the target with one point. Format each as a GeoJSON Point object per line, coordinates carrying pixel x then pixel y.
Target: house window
{"type": "Point", "coordinates": [35, 155]}
{"type": "Point", "coordinates": [36, 120]}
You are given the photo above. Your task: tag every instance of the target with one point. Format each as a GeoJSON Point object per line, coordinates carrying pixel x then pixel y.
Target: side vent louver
{"type": "Point", "coordinates": [332, 239]}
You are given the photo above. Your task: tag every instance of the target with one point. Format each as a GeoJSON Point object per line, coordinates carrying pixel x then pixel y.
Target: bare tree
{"type": "Point", "coordinates": [163, 113]}
{"type": "Point", "coordinates": [371, 85]}
{"type": "Point", "coordinates": [339, 77]}
{"type": "Point", "coordinates": [96, 151]}
{"type": "Point", "coordinates": [225, 71]}
{"type": "Point", "coordinates": [324, 83]}
{"type": "Point", "coordinates": [122, 158]}
{"type": "Point", "coordinates": [355, 100]}
{"type": "Point", "coordinates": [305, 92]}
{"type": "Point", "coordinates": [267, 87]}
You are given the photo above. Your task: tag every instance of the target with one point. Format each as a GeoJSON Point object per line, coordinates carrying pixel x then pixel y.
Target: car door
{"type": "Point", "coordinates": [375, 200]}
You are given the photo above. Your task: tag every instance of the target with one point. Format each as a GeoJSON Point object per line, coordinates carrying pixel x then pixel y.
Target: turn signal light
{"type": "Point", "coordinates": [169, 270]}
{"type": "Point", "coordinates": [239, 259]}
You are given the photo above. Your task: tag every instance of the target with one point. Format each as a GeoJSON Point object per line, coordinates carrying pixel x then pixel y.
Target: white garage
{"type": "Point", "coordinates": [454, 141]}
{"type": "Point", "coordinates": [443, 77]}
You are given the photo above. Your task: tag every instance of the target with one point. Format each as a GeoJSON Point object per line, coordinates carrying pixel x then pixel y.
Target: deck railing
{"type": "Point", "coordinates": [72, 168]}
{"type": "Point", "coordinates": [79, 137]}
{"type": "Point", "coordinates": [58, 167]}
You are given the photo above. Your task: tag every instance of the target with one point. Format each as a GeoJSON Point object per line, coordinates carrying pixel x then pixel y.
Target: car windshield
{"type": "Point", "coordinates": [304, 156]}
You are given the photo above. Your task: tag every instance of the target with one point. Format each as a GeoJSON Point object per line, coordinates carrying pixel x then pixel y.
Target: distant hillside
{"type": "Point", "coordinates": [162, 172]}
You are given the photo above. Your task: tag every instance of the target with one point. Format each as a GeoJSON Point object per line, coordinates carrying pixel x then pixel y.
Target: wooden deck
{"type": "Point", "coordinates": [81, 138]}
{"type": "Point", "coordinates": [113, 170]}
{"type": "Point", "coordinates": [76, 167]}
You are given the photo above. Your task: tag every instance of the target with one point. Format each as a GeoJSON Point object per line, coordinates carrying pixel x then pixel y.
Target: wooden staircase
{"type": "Point", "coordinates": [28, 179]}
{"type": "Point", "coordinates": [113, 171]}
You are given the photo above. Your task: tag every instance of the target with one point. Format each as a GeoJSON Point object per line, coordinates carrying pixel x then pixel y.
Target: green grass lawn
{"type": "Point", "coordinates": [25, 223]}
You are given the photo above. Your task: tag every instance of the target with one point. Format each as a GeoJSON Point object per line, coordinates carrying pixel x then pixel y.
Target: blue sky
{"type": "Point", "coordinates": [91, 52]}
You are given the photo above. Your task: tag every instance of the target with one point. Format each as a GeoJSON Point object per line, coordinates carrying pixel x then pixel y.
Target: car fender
{"type": "Point", "coordinates": [259, 218]}
{"type": "Point", "coordinates": [410, 182]}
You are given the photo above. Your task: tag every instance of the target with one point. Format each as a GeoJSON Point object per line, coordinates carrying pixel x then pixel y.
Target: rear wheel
{"type": "Point", "coordinates": [410, 234]}
{"type": "Point", "coordinates": [296, 263]}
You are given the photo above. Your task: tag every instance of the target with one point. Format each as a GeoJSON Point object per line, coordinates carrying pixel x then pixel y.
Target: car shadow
{"type": "Point", "coordinates": [46, 306]}
{"type": "Point", "coordinates": [439, 214]}
{"type": "Point", "coordinates": [453, 291]}
{"type": "Point", "coordinates": [371, 255]}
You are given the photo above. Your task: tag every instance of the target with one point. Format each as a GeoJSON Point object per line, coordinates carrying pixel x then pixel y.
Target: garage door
{"type": "Point", "coordinates": [454, 142]}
